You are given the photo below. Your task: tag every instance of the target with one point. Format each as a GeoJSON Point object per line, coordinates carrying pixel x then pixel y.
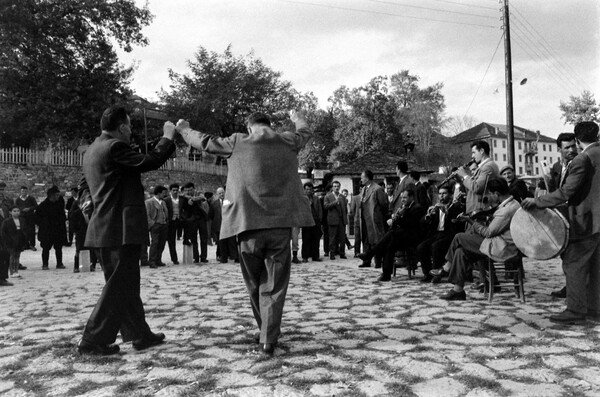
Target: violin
{"type": "Point", "coordinates": [483, 213]}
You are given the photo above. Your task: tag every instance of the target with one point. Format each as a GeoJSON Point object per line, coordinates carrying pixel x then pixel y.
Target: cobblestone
{"type": "Point", "coordinates": [342, 335]}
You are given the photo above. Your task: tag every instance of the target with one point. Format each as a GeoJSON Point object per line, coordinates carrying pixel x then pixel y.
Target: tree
{"type": "Point", "coordinates": [581, 108]}
{"type": "Point", "coordinates": [58, 68]}
{"type": "Point", "coordinates": [221, 90]}
{"type": "Point", "coordinates": [454, 125]}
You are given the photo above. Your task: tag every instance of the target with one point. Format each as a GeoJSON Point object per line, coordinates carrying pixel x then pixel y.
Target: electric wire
{"type": "Point", "coordinates": [430, 9]}
{"type": "Point", "coordinates": [465, 5]}
{"type": "Point", "coordinates": [485, 74]}
{"type": "Point", "coordinates": [388, 14]}
{"type": "Point", "coordinates": [546, 46]}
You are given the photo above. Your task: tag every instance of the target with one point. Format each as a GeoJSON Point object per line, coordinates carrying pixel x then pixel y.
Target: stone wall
{"type": "Point", "coordinates": [38, 178]}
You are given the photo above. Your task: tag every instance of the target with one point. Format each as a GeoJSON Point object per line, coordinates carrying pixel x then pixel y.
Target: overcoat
{"type": "Point", "coordinates": [373, 209]}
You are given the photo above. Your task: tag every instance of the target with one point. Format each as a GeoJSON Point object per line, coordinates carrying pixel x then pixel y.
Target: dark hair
{"type": "Point", "coordinates": [479, 145]}
{"type": "Point", "coordinates": [416, 175]}
{"type": "Point", "coordinates": [586, 131]}
{"type": "Point", "coordinates": [158, 189]}
{"type": "Point", "coordinates": [445, 187]}
{"type": "Point", "coordinates": [498, 185]}
{"type": "Point", "coordinates": [410, 191]}
{"type": "Point", "coordinates": [113, 117]}
{"type": "Point", "coordinates": [258, 118]}
{"type": "Point", "coordinates": [188, 185]}
{"type": "Point", "coordinates": [402, 166]}
{"type": "Point", "coordinates": [334, 182]}
{"type": "Point", "coordinates": [564, 137]}
{"type": "Point", "coordinates": [24, 187]}
{"type": "Point", "coordinates": [174, 186]}
{"type": "Point", "coordinates": [368, 174]}
{"type": "Point", "coordinates": [208, 195]}
{"type": "Point", "coordinates": [308, 184]}
{"type": "Point", "coordinates": [13, 206]}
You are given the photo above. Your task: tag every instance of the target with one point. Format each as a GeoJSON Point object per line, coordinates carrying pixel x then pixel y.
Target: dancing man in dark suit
{"type": "Point", "coordinates": [117, 229]}
{"type": "Point", "coordinates": [581, 258]}
{"type": "Point", "coordinates": [263, 201]}
{"type": "Point", "coordinates": [337, 217]}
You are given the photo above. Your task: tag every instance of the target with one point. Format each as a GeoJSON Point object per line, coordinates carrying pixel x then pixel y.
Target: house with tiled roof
{"type": "Point", "coordinates": [531, 148]}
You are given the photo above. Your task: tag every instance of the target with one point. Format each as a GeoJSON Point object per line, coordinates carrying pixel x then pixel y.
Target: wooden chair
{"type": "Point", "coordinates": [512, 270]}
{"type": "Point", "coordinates": [408, 259]}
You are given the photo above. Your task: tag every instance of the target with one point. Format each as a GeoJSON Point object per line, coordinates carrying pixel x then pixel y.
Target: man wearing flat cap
{"type": "Point", "coordinates": [516, 187]}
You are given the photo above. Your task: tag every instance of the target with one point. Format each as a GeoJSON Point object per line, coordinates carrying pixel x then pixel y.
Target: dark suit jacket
{"type": "Point", "coordinates": [518, 189]}
{"type": "Point", "coordinates": [195, 212]}
{"type": "Point", "coordinates": [13, 239]}
{"type": "Point", "coordinates": [410, 222]}
{"type": "Point", "coordinates": [264, 190]}
{"type": "Point", "coordinates": [402, 186]}
{"type": "Point", "coordinates": [373, 208]}
{"type": "Point", "coordinates": [216, 217]}
{"type": "Point", "coordinates": [421, 196]}
{"type": "Point", "coordinates": [112, 171]}
{"type": "Point", "coordinates": [555, 173]}
{"type": "Point", "coordinates": [450, 228]}
{"type": "Point", "coordinates": [337, 213]}
{"type": "Point", "coordinates": [153, 209]}
{"type": "Point", "coordinates": [581, 188]}
{"type": "Point", "coordinates": [51, 220]}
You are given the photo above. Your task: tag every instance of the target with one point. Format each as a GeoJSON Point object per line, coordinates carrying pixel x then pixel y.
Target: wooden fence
{"type": "Point", "coordinates": [71, 158]}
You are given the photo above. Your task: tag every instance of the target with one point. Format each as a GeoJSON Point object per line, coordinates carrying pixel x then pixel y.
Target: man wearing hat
{"type": "Point", "coordinates": [516, 187]}
{"type": "Point", "coordinates": [52, 227]}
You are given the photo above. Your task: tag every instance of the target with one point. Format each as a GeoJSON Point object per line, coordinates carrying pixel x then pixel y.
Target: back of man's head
{"type": "Point", "coordinates": [402, 166]}
{"type": "Point", "coordinates": [113, 117]}
{"type": "Point", "coordinates": [498, 185]}
{"type": "Point", "coordinates": [586, 131]}
{"type": "Point", "coordinates": [258, 118]}
{"type": "Point", "coordinates": [415, 175]}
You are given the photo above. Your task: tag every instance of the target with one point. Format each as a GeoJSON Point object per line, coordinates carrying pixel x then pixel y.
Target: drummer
{"type": "Point", "coordinates": [581, 258]}
{"type": "Point", "coordinates": [465, 248]}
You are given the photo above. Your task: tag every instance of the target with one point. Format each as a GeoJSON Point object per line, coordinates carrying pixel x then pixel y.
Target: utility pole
{"type": "Point", "coordinates": [510, 128]}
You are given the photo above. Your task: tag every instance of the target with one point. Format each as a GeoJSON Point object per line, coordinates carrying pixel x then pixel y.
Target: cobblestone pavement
{"type": "Point", "coordinates": [343, 335]}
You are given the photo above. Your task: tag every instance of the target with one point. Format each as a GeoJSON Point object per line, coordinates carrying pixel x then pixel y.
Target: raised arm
{"type": "Point", "coordinates": [202, 141]}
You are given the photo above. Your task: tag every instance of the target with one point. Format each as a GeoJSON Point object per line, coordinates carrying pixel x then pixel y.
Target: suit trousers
{"type": "Point", "coordinates": [357, 238]}
{"type": "Point", "coordinates": [172, 227]}
{"type": "Point", "coordinates": [158, 239]}
{"type": "Point", "coordinates": [581, 265]}
{"type": "Point", "coordinates": [463, 255]}
{"type": "Point", "coordinates": [311, 237]}
{"type": "Point", "coordinates": [119, 305]}
{"type": "Point", "coordinates": [4, 264]}
{"type": "Point", "coordinates": [227, 249]}
{"type": "Point", "coordinates": [46, 246]}
{"type": "Point", "coordinates": [266, 263]}
{"type": "Point", "coordinates": [369, 248]}
{"type": "Point", "coordinates": [435, 246]}
{"type": "Point", "coordinates": [337, 239]}
{"type": "Point", "coordinates": [296, 239]}
{"type": "Point", "coordinates": [191, 230]}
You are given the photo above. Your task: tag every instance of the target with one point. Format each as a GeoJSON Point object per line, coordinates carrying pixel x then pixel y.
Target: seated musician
{"type": "Point", "coordinates": [404, 232]}
{"type": "Point", "coordinates": [465, 247]}
{"type": "Point", "coordinates": [440, 226]}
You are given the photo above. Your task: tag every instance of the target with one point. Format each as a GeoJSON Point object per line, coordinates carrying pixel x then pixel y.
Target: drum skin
{"type": "Point", "coordinates": [540, 233]}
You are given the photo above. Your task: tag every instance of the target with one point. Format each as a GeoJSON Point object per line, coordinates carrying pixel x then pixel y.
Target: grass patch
{"type": "Point", "coordinates": [98, 360]}
{"type": "Point", "coordinates": [205, 382]}
{"type": "Point", "coordinates": [13, 367]}
{"type": "Point", "coordinates": [477, 382]}
{"type": "Point", "coordinates": [30, 383]}
{"type": "Point", "coordinates": [146, 363]}
{"type": "Point", "coordinates": [167, 361]}
{"type": "Point", "coordinates": [83, 388]}
{"type": "Point", "coordinates": [168, 381]}
{"type": "Point", "coordinates": [399, 389]}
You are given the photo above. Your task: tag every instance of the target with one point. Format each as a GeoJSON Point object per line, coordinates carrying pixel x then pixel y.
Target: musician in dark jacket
{"type": "Point", "coordinates": [118, 227]}
{"type": "Point", "coordinates": [405, 232]}
{"type": "Point", "coordinates": [517, 187]}
{"type": "Point", "coordinates": [441, 226]}
{"type": "Point", "coordinates": [52, 227]}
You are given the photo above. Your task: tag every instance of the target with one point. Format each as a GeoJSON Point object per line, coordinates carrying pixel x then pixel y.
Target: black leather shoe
{"type": "Point", "coordinates": [343, 257]}
{"type": "Point", "coordinates": [332, 257]}
{"type": "Point", "coordinates": [268, 349]}
{"type": "Point", "coordinates": [439, 272]}
{"type": "Point", "coordinates": [152, 266]}
{"type": "Point", "coordinates": [454, 296]}
{"type": "Point", "coordinates": [295, 260]}
{"type": "Point", "coordinates": [60, 266]}
{"type": "Point", "coordinates": [377, 265]}
{"type": "Point", "coordinates": [365, 264]}
{"type": "Point", "coordinates": [21, 267]}
{"type": "Point", "coordinates": [568, 317]}
{"type": "Point", "coordinates": [561, 293]}
{"type": "Point", "coordinates": [317, 260]}
{"type": "Point", "coordinates": [384, 278]}
{"type": "Point", "coordinates": [427, 278]}
{"type": "Point", "coordinates": [362, 256]}
{"type": "Point", "coordinates": [436, 280]}
{"type": "Point", "coordinates": [148, 341]}
{"type": "Point", "coordinates": [44, 267]}
{"type": "Point", "coordinates": [84, 347]}
{"type": "Point", "coordinates": [175, 262]}
{"type": "Point", "coordinates": [161, 264]}
{"type": "Point", "coordinates": [203, 260]}
{"type": "Point", "coordinates": [5, 283]}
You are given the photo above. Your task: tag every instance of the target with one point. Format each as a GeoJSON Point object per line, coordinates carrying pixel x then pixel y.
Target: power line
{"type": "Point", "coordinates": [388, 14]}
{"type": "Point", "coordinates": [465, 5]}
{"type": "Point", "coordinates": [485, 74]}
{"type": "Point", "coordinates": [547, 57]}
{"type": "Point", "coordinates": [548, 47]}
{"type": "Point", "coordinates": [430, 9]}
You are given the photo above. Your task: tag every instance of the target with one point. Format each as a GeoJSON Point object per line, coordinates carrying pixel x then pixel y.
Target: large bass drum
{"type": "Point", "coordinates": [540, 233]}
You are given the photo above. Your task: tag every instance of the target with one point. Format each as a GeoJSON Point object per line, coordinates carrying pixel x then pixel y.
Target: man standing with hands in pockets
{"type": "Point", "coordinates": [263, 201]}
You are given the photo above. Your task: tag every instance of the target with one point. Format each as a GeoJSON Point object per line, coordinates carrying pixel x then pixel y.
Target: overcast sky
{"type": "Point", "coordinates": [320, 45]}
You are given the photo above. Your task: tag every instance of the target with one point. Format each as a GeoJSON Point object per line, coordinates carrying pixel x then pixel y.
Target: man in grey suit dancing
{"type": "Point", "coordinates": [263, 201]}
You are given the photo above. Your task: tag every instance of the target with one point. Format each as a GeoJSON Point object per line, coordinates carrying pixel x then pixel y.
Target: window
{"type": "Point", "coordinates": [495, 143]}
{"type": "Point", "coordinates": [537, 171]}
{"type": "Point", "coordinates": [504, 144]}
{"type": "Point", "coordinates": [519, 145]}
{"type": "Point", "coordinates": [520, 170]}
{"type": "Point", "coordinates": [520, 158]}
{"type": "Point", "coordinates": [495, 156]}
{"type": "Point", "coordinates": [544, 147]}
{"type": "Point", "coordinates": [544, 158]}
{"type": "Point", "coordinates": [536, 159]}
{"type": "Point", "coordinates": [504, 157]}
{"type": "Point", "coordinates": [551, 162]}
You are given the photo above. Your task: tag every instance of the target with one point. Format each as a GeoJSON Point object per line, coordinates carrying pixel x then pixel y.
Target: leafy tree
{"type": "Point", "coordinates": [580, 108]}
{"type": "Point", "coordinates": [221, 90]}
{"type": "Point", "coordinates": [58, 67]}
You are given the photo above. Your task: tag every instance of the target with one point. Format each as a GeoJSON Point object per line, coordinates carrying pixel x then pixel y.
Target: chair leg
{"type": "Point", "coordinates": [490, 281]}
